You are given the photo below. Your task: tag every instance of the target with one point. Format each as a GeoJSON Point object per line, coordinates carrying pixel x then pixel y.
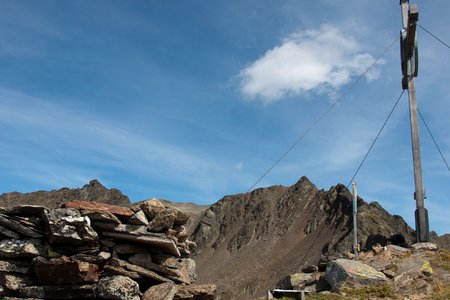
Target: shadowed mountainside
{"type": "Point", "coordinates": [93, 191]}
{"type": "Point", "coordinates": [249, 242]}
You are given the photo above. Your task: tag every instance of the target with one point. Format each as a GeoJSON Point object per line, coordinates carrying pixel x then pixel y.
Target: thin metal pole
{"type": "Point", "coordinates": [355, 224]}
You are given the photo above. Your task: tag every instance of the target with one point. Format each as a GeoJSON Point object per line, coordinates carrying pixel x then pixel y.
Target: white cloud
{"type": "Point", "coordinates": [320, 60]}
{"type": "Point", "coordinates": [239, 166]}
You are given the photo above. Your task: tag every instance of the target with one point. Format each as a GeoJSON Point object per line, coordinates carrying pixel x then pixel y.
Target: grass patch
{"type": "Point", "coordinates": [383, 291]}
{"type": "Point", "coordinates": [442, 260]}
{"type": "Point", "coordinates": [440, 292]}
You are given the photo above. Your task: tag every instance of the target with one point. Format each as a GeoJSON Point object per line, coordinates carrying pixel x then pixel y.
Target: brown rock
{"type": "Point", "coordinates": [163, 242]}
{"type": "Point", "coordinates": [14, 281]}
{"type": "Point", "coordinates": [181, 218]}
{"type": "Point", "coordinates": [163, 291]}
{"type": "Point", "coordinates": [21, 248]}
{"type": "Point", "coordinates": [425, 247]}
{"type": "Point", "coordinates": [100, 207]}
{"type": "Point", "coordinates": [193, 291]}
{"type": "Point", "coordinates": [152, 208]}
{"type": "Point", "coordinates": [64, 271]}
{"type": "Point", "coordinates": [118, 287]}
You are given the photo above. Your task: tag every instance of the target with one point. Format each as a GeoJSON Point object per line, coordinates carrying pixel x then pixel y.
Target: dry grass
{"type": "Point", "coordinates": [441, 260]}
{"type": "Point", "coordinates": [440, 292]}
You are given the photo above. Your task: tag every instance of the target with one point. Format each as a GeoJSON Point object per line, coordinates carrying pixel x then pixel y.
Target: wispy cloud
{"type": "Point", "coordinates": [49, 142]}
{"type": "Point", "coordinates": [321, 60]}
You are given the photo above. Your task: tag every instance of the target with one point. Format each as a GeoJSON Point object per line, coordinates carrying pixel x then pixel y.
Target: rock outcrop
{"type": "Point", "coordinates": [251, 241]}
{"type": "Point", "coordinates": [95, 250]}
{"type": "Point", "coordinates": [93, 191]}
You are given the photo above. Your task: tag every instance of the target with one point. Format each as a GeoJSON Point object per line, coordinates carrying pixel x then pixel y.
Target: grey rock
{"type": "Point", "coordinates": [24, 210]}
{"type": "Point", "coordinates": [67, 226]}
{"type": "Point", "coordinates": [425, 247]}
{"type": "Point", "coordinates": [139, 218]}
{"type": "Point", "coordinates": [117, 270]}
{"type": "Point", "coordinates": [194, 291]}
{"type": "Point", "coordinates": [163, 242]}
{"type": "Point", "coordinates": [140, 270]}
{"type": "Point", "coordinates": [21, 248]}
{"type": "Point", "coordinates": [58, 291]}
{"type": "Point", "coordinates": [352, 274]}
{"type": "Point", "coordinates": [10, 266]}
{"type": "Point", "coordinates": [310, 269]}
{"type": "Point", "coordinates": [163, 291]}
{"type": "Point", "coordinates": [118, 287]}
{"type": "Point", "coordinates": [9, 233]}
{"type": "Point", "coordinates": [15, 281]}
{"type": "Point", "coordinates": [130, 248]}
{"type": "Point", "coordinates": [97, 216]}
{"type": "Point", "coordinates": [14, 225]}
{"type": "Point", "coordinates": [122, 228]}
{"type": "Point", "coordinates": [162, 221]}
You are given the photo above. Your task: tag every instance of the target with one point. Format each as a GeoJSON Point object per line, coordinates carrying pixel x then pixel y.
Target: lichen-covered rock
{"type": "Point", "coordinates": [163, 291]}
{"type": "Point", "coordinates": [67, 226]}
{"type": "Point", "coordinates": [194, 291]}
{"type": "Point", "coordinates": [65, 271]}
{"type": "Point", "coordinates": [342, 273]}
{"type": "Point", "coordinates": [162, 221]}
{"type": "Point", "coordinates": [21, 248]}
{"type": "Point", "coordinates": [152, 208]}
{"type": "Point", "coordinates": [118, 287]}
{"type": "Point", "coordinates": [11, 266]}
{"type": "Point", "coordinates": [15, 281]}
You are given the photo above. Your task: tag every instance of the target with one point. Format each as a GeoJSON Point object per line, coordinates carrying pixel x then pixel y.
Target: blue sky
{"type": "Point", "coordinates": [194, 100]}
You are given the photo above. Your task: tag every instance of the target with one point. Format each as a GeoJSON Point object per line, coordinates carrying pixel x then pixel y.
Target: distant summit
{"type": "Point", "coordinates": [93, 191]}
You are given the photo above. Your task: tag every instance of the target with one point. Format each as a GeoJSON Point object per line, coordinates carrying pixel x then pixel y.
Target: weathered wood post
{"type": "Point", "coordinates": [410, 67]}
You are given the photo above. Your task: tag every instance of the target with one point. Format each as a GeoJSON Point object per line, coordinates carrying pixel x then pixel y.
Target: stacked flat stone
{"type": "Point", "coordinates": [92, 250]}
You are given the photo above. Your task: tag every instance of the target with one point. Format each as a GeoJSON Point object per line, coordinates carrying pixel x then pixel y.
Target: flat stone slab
{"type": "Point", "coordinates": [98, 216]}
{"type": "Point", "coordinates": [140, 270]}
{"type": "Point", "coordinates": [21, 248]}
{"type": "Point", "coordinates": [164, 243]}
{"type": "Point", "coordinates": [425, 247]}
{"type": "Point", "coordinates": [14, 225]}
{"type": "Point", "coordinates": [196, 291]}
{"type": "Point", "coordinates": [163, 291]}
{"type": "Point", "coordinates": [58, 291]}
{"type": "Point", "coordinates": [123, 228]}
{"type": "Point", "coordinates": [11, 266]}
{"type": "Point", "coordinates": [100, 207]}
{"type": "Point", "coordinates": [24, 210]}
{"type": "Point", "coordinates": [352, 274]}
{"type": "Point", "coordinates": [14, 281]}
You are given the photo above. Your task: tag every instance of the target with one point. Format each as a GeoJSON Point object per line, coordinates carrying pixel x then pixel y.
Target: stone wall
{"type": "Point", "coordinates": [92, 250]}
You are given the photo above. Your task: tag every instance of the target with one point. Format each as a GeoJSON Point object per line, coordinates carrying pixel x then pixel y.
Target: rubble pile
{"type": "Point", "coordinates": [92, 250]}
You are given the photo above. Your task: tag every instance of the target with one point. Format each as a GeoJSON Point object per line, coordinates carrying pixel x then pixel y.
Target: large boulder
{"type": "Point", "coordinates": [344, 273]}
{"type": "Point", "coordinates": [21, 248]}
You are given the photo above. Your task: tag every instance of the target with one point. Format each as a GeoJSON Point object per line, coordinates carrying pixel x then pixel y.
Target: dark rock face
{"type": "Point", "coordinates": [251, 241]}
{"type": "Point", "coordinates": [93, 191]}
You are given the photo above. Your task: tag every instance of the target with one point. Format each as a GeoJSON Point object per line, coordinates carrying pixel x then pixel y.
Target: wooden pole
{"type": "Point", "coordinates": [409, 69]}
